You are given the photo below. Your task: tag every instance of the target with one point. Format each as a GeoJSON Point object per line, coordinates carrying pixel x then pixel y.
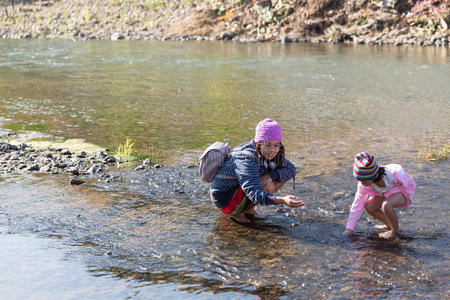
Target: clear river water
{"type": "Point", "coordinates": [154, 234]}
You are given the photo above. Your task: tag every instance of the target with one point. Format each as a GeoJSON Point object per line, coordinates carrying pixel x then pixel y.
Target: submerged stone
{"type": "Point", "coordinates": [75, 181]}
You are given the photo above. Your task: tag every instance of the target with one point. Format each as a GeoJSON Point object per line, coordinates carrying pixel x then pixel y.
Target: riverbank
{"type": "Point", "coordinates": [396, 22]}
{"type": "Point", "coordinates": [17, 158]}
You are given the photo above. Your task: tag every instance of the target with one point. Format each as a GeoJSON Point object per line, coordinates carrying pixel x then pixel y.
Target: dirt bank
{"type": "Point", "coordinates": [395, 22]}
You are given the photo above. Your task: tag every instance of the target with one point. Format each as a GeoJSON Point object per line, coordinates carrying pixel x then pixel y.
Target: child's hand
{"type": "Point", "coordinates": [291, 201]}
{"type": "Point", "coordinates": [347, 232]}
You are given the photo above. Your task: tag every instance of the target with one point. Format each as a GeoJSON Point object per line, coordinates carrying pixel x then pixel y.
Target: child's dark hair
{"type": "Point", "coordinates": [278, 159]}
{"type": "Point", "coordinates": [380, 173]}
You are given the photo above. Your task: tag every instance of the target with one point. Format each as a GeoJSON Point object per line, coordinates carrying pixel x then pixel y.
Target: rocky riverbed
{"type": "Point", "coordinates": [22, 158]}
{"type": "Point", "coordinates": [397, 22]}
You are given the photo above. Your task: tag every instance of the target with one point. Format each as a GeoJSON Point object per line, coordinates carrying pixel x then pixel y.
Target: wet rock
{"type": "Point", "coordinates": [110, 159]}
{"type": "Point", "coordinates": [95, 168]}
{"type": "Point", "coordinates": [226, 36]}
{"type": "Point", "coordinates": [74, 171]}
{"type": "Point", "coordinates": [75, 161]}
{"type": "Point", "coordinates": [5, 147]}
{"type": "Point", "coordinates": [101, 154]}
{"type": "Point", "coordinates": [75, 181]}
{"type": "Point", "coordinates": [34, 167]}
{"type": "Point", "coordinates": [66, 152]}
{"type": "Point", "coordinates": [45, 168]}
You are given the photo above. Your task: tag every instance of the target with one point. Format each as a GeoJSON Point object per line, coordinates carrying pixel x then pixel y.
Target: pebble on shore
{"type": "Point", "coordinates": [14, 159]}
{"type": "Point", "coordinates": [20, 159]}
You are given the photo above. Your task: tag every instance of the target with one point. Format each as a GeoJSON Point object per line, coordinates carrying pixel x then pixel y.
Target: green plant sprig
{"type": "Point", "coordinates": [125, 150]}
{"type": "Point", "coordinates": [436, 156]}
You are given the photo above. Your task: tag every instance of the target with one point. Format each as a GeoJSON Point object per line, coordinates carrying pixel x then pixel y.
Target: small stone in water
{"type": "Point", "coordinates": [74, 171]}
{"type": "Point", "coordinates": [110, 159]}
{"type": "Point", "coordinates": [75, 181]}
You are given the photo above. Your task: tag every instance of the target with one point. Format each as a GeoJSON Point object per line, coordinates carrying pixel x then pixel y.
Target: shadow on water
{"type": "Point", "coordinates": [158, 226]}
{"type": "Point", "coordinates": [244, 259]}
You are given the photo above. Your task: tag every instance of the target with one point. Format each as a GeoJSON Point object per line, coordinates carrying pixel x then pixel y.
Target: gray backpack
{"type": "Point", "coordinates": [212, 159]}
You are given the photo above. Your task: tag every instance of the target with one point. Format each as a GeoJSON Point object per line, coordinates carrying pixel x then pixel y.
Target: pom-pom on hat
{"type": "Point", "coordinates": [365, 166]}
{"type": "Point", "coordinates": [268, 130]}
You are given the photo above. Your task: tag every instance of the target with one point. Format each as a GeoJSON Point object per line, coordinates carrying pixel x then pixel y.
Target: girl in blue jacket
{"type": "Point", "coordinates": [252, 173]}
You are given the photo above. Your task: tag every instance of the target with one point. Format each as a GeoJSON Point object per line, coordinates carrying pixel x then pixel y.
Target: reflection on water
{"type": "Point", "coordinates": [49, 269]}
{"type": "Point", "coordinates": [177, 238]}
{"type": "Point", "coordinates": [155, 231]}
{"type": "Point", "coordinates": [168, 96]}
{"type": "Point", "coordinates": [46, 269]}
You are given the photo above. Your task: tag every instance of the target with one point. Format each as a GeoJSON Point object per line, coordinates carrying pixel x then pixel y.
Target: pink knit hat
{"type": "Point", "coordinates": [268, 130]}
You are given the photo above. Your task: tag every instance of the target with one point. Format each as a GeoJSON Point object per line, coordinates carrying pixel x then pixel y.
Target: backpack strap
{"type": "Point", "coordinates": [248, 152]}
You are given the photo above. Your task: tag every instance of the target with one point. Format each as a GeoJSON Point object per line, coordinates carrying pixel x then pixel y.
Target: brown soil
{"type": "Point", "coordinates": [422, 22]}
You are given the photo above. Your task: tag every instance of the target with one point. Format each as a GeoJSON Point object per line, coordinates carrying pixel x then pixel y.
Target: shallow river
{"type": "Point", "coordinates": [153, 233]}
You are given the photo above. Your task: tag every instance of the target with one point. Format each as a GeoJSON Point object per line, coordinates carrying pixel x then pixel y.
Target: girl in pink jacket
{"type": "Point", "coordinates": [380, 190]}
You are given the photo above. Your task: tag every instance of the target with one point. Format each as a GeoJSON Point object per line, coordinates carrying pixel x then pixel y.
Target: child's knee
{"type": "Point", "coordinates": [386, 206]}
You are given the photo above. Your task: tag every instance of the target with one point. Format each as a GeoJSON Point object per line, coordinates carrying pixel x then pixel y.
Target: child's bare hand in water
{"type": "Point", "coordinates": [289, 200]}
{"type": "Point", "coordinates": [347, 232]}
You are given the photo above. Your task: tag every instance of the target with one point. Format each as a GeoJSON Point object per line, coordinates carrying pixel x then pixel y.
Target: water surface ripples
{"type": "Point", "coordinates": [155, 234]}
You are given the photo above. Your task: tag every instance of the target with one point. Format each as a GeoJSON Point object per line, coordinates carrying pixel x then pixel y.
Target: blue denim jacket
{"type": "Point", "coordinates": [243, 164]}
